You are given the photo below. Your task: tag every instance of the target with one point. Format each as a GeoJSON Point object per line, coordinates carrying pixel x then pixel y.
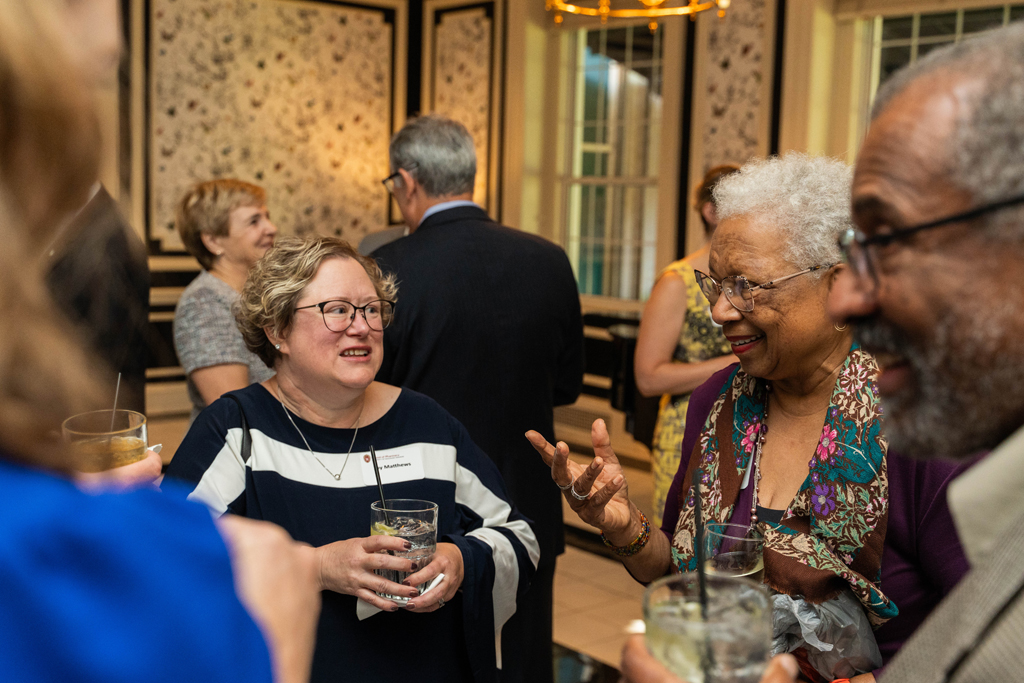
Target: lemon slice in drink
{"type": "Point", "coordinates": [382, 529]}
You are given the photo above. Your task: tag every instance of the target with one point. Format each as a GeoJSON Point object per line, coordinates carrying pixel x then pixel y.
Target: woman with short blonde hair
{"type": "Point", "coordinates": [225, 224]}
{"type": "Point", "coordinates": [275, 285]}
{"type": "Point", "coordinates": [316, 310]}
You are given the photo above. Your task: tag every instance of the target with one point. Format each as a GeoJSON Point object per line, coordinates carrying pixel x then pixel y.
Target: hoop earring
{"type": "Point", "coordinates": [840, 329]}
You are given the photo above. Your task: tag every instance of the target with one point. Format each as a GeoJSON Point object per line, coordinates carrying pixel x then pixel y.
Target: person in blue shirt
{"type": "Point", "coordinates": [105, 585]}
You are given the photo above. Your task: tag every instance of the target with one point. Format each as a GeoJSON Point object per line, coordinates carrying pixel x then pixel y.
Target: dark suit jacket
{"type": "Point", "coordinates": [99, 277]}
{"type": "Point", "coordinates": [488, 324]}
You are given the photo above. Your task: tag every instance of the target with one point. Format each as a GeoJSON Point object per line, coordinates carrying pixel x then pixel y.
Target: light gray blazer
{"type": "Point", "coordinates": [977, 633]}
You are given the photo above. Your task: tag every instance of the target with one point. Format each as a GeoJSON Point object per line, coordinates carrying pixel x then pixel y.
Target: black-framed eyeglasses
{"type": "Point", "coordinates": [389, 182]}
{"type": "Point", "coordinates": [856, 246]}
{"type": "Point", "coordinates": [339, 314]}
{"type": "Point", "coordinates": [739, 291]}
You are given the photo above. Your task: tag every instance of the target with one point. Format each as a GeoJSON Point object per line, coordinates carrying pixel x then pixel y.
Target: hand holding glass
{"type": "Point", "coordinates": [412, 520]}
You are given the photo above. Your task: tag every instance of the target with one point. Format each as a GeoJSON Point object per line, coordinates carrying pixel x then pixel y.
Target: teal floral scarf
{"type": "Point", "coordinates": [831, 536]}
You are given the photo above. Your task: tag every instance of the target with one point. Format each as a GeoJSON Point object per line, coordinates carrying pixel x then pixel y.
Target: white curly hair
{"type": "Point", "coordinates": [805, 197]}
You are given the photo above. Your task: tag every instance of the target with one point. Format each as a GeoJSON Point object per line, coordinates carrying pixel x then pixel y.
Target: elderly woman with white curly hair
{"type": "Point", "coordinates": [792, 444]}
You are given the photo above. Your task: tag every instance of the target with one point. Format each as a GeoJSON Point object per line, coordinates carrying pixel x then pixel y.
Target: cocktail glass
{"type": "Point", "coordinates": [409, 519]}
{"type": "Point", "coordinates": [732, 645]}
{"type": "Point", "coordinates": [733, 550]}
{"type": "Point", "coordinates": [104, 439]}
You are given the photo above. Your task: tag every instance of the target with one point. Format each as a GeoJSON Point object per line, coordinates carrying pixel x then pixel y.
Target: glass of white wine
{"type": "Point", "coordinates": [105, 439]}
{"type": "Point", "coordinates": [733, 550]}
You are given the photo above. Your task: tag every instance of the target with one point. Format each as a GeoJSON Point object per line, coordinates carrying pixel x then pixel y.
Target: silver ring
{"type": "Point", "coordinates": [440, 602]}
{"type": "Point", "coordinates": [572, 490]}
{"type": "Point", "coordinates": [566, 487]}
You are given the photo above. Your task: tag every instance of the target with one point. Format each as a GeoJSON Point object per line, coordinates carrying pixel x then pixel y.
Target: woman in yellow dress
{"type": "Point", "coordinates": [679, 347]}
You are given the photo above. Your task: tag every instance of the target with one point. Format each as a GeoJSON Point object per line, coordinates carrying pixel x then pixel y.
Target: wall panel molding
{"type": "Point", "coordinates": [299, 97]}
{"type": "Point", "coordinates": [463, 79]}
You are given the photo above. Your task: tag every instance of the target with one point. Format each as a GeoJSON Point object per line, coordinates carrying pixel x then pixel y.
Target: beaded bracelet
{"type": "Point", "coordinates": [638, 543]}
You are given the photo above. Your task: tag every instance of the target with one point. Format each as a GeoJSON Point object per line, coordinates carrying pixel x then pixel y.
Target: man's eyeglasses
{"type": "Point", "coordinates": [739, 290]}
{"type": "Point", "coordinates": [389, 182]}
{"type": "Point", "coordinates": [339, 315]}
{"type": "Point", "coordinates": [856, 246]}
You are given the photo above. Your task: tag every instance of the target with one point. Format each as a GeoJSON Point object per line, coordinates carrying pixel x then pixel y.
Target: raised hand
{"type": "Point", "coordinates": [597, 493]}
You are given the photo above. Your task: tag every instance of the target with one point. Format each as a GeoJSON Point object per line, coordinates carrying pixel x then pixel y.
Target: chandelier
{"type": "Point", "coordinates": [652, 9]}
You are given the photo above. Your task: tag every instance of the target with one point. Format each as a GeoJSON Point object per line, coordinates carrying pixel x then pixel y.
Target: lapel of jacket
{"type": "Point", "coordinates": [942, 646]}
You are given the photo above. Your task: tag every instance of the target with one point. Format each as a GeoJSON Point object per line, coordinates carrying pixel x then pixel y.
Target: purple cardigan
{"type": "Point", "coordinates": [922, 560]}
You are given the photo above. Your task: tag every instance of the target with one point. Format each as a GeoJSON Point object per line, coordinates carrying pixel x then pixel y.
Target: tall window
{"type": "Point", "coordinates": [611, 190]}
{"type": "Point", "coordinates": [900, 41]}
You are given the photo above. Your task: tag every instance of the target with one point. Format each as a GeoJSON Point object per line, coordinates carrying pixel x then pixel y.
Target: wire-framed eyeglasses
{"type": "Point", "coordinates": [389, 182]}
{"type": "Point", "coordinates": [739, 291]}
{"type": "Point", "coordinates": [339, 314]}
{"type": "Point", "coordinates": [857, 247]}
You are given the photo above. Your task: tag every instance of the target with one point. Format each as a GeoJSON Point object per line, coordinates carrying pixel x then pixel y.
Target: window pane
{"type": "Point", "coordinates": [892, 59]}
{"type": "Point", "coordinates": [897, 28]}
{"type": "Point", "coordinates": [643, 43]}
{"type": "Point", "coordinates": [1017, 12]}
{"type": "Point", "coordinates": [938, 24]}
{"type": "Point", "coordinates": [594, 164]}
{"type": "Point", "coordinates": [982, 19]}
{"type": "Point", "coordinates": [595, 93]}
{"type": "Point", "coordinates": [615, 45]}
{"type": "Point", "coordinates": [925, 48]}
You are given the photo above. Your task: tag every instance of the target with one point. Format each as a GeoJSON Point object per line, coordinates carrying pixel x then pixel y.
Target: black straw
{"type": "Point", "coordinates": [698, 542]}
{"type": "Point", "coordinates": [380, 487]}
{"type": "Point", "coordinates": [707, 658]}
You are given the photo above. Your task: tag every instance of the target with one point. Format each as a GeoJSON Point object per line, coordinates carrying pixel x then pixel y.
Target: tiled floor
{"type": "Point", "coordinates": [595, 598]}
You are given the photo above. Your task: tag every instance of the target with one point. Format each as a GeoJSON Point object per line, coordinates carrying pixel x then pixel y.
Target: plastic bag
{"type": "Point", "coordinates": [837, 637]}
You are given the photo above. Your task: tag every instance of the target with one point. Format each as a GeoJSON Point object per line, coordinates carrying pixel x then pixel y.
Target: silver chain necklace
{"type": "Point", "coordinates": [337, 477]}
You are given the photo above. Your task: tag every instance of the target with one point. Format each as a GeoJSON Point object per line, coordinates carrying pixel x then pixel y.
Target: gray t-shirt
{"type": "Point", "coordinates": [205, 333]}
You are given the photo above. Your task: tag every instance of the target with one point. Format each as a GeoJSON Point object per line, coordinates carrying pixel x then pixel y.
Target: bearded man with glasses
{"type": "Point", "coordinates": [935, 289]}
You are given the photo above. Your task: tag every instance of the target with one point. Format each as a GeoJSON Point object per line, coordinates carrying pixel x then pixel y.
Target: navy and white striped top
{"type": "Point", "coordinates": [282, 483]}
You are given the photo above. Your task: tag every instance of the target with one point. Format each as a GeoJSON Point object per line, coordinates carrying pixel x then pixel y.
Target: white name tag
{"type": "Point", "coordinates": [395, 466]}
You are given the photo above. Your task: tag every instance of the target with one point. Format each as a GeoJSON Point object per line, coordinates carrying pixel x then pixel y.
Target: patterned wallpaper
{"type": "Point", "coordinates": [737, 71]}
{"type": "Point", "coordinates": [293, 96]}
{"type": "Point", "coordinates": [462, 81]}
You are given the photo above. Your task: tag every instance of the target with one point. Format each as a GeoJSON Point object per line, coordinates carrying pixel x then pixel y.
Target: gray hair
{"type": "Point", "coordinates": [986, 148]}
{"type": "Point", "coordinates": [438, 152]}
{"type": "Point", "coordinates": [805, 197]}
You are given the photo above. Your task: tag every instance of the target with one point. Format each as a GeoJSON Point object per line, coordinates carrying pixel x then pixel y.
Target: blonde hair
{"type": "Point", "coordinates": [48, 160]}
{"type": "Point", "coordinates": [277, 281]}
{"type": "Point", "coordinates": [206, 210]}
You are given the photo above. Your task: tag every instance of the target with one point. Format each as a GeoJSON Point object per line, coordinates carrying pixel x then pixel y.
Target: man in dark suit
{"type": "Point", "coordinates": [98, 274]}
{"type": "Point", "coordinates": [488, 324]}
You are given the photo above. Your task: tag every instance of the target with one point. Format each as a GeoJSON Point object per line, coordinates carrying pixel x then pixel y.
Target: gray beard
{"type": "Point", "coordinates": [967, 388]}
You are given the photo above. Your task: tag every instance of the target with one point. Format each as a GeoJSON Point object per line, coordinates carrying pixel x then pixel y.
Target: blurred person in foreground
{"type": "Point", "coordinates": [101, 586]}
{"type": "Point", "coordinates": [225, 225]}
{"type": "Point", "coordinates": [315, 311]}
{"type": "Point", "coordinates": [679, 346]}
{"type": "Point", "coordinates": [108, 298]}
{"type": "Point", "coordinates": [491, 329]}
{"type": "Point", "coordinates": [793, 444]}
{"type": "Point", "coordinates": [935, 289]}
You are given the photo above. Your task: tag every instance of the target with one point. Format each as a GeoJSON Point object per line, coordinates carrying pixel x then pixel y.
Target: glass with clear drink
{"type": "Point", "coordinates": [104, 439]}
{"type": "Point", "coordinates": [734, 643]}
{"type": "Point", "coordinates": [733, 550]}
{"type": "Point", "coordinates": [412, 520]}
